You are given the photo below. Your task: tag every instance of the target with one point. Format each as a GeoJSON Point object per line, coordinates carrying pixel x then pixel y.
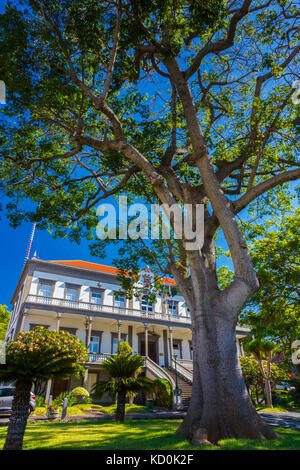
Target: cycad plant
{"type": "Point", "coordinates": [125, 376]}
{"type": "Point", "coordinates": [38, 354]}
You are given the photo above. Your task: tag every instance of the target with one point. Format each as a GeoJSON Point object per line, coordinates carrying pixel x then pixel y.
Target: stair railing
{"type": "Point", "coordinates": [183, 371]}
{"type": "Point", "coordinates": [158, 371]}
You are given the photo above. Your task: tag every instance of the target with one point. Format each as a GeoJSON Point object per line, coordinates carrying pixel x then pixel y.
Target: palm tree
{"type": "Point", "coordinates": [262, 350]}
{"type": "Point", "coordinates": [125, 373]}
{"type": "Point", "coordinates": [39, 354]}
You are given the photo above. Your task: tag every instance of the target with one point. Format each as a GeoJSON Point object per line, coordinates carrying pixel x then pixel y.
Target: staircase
{"type": "Point", "coordinates": [185, 385]}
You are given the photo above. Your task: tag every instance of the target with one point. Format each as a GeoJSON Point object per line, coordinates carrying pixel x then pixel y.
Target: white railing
{"type": "Point", "coordinates": [187, 363]}
{"type": "Point", "coordinates": [158, 371]}
{"type": "Point", "coordinates": [98, 358]}
{"type": "Point", "coordinates": [109, 309]}
{"type": "Point", "coordinates": [186, 373]}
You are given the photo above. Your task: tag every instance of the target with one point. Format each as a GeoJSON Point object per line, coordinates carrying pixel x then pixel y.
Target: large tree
{"type": "Point", "coordinates": [187, 102]}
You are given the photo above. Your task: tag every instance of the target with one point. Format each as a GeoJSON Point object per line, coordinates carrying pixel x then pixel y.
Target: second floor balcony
{"type": "Point", "coordinates": [75, 306]}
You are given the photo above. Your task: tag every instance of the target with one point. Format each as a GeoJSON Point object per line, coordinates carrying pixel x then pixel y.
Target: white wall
{"type": "Point", "coordinates": [84, 296]}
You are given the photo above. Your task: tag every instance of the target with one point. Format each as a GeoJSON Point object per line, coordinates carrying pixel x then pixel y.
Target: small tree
{"type": "Point", "coordinates": [263, 350]}
{"type": "Point", "coordinates": [38, 354]}
{"type": "Point", "coordinates": [254, 378]}
{"type": "Point", "coordinates": [124, 348]}
{"type": "Point", "coordinates": [125, 373]}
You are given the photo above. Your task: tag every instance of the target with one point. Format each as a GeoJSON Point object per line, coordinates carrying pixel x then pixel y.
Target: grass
{"type": "Point", "coordinates": [133, 435]}
{"type": "Point", "coordinates": [275, 409]}
{"type": "Point", "coordinates": [128, 409]}
{"type": "Point", "coordinates": [80, 410]}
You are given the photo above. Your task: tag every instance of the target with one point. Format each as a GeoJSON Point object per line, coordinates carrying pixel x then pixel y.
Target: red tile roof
{"type": "Point", "coordinates": [101, 268]}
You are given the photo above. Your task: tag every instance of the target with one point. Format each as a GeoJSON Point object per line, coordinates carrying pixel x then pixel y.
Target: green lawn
{"type": "Point", "coordinates": [132, 435]}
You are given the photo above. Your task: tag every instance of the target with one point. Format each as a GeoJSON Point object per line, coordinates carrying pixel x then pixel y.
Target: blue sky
{"type": "Point", "coordinates": [14, 244]}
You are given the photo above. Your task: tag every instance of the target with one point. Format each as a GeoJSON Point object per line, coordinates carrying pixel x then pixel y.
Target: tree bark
{"type": "Point", "coordinates": [18, 419]}
{"type": "Point", "coordinates": [120, 413]}
{"type": "Point", "coordinates": [220, 406]}
{"type": "Point", "coordinates": [267, 386]}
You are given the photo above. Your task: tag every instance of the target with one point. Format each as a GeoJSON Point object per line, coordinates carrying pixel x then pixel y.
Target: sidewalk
{"type": "Point", "coordinates": [103, 416]}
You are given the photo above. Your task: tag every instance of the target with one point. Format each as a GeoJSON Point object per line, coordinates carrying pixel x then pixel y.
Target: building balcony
{"type": "Point", "coordinates": [92, 309]}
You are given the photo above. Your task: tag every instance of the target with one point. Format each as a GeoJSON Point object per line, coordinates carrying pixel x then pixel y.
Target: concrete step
{"type": "Point", "coordinates": [185, 387]}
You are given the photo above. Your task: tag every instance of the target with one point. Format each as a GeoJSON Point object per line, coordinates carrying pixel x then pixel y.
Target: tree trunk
{"type": "Point", "coordinates": [120, 414]}
{"type": "Point", "coordinates": [18, 419]}
{"type": "Point", "coordinates": [220, 406]}
{"type": "Point", "coordinates": [267, 386]}
{"type": "Point", "coordinates": [268, 393]}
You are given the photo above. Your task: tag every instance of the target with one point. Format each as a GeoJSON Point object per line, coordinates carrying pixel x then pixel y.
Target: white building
{"type": "Point", "coordinates": [81, 297]}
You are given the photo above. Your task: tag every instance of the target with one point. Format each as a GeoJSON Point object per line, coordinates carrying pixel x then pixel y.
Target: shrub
{"type": "Point", "coordinates": [124, 348]}
{"type": "Point", "coordinates": [163, 393]}
{"type": "Point", "coordinates": [39, 401]}
{"type": "Point", "coordinates": [81, 394]}
{"type": "Point", "coordinates": [60, 399]}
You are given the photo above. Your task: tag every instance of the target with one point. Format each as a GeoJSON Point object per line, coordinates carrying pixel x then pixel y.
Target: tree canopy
{"type": "Point", "coordinates": [43, 354]}
{"type": "Point", "coordinates": [273, 311]}
{"type": "Point", "coordinates": [95, 107]}
{"type": "Point", "coordinates": [4, 319]}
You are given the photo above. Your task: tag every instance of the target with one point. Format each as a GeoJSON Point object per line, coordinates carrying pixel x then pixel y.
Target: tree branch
{"type": "Point", "coordinates": [261, 188]}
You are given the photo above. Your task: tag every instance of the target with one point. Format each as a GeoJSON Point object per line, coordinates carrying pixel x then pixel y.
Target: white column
{"type": "Point", "coordinates": [119, 331]}
{"type": "Point", "coordinates": [22, 321]}
{"type": "Point", "coordinates": [88, 340]}
{"type": "Point", "coordinates": [89, 333]}
{"type": "Point", "coordinates": [146, 339]}
{"type": "Point", "coordinates": [171, 345]}
{"type": "Point", "coordinates": [58, 318]}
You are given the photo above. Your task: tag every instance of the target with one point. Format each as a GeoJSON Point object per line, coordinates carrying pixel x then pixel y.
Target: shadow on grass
{"type": "Point", "coordinates": [133, 435]}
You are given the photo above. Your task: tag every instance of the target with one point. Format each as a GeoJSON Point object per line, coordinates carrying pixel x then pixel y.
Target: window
{"type": "Point", "coordinates": [114, 345]}
{"type": "Point", "coordinates": [45, 289]}
{"type": "Point", "coordinates": [146, 306]}
{"type": "Point", "coordinates": [173, 307]}
{"type": "Point", "coordinates": [94, 344]}
{"type": "Point", "coordinates": [114, 341]}
{"type": "Point", "coordinates": [96, 298]}
{"type": "Point", "coordinates": [34, 325]}
{"type": "Point", "coordinates": [191, 349]}
{"type": "Point", "coordinates": [120, 302]}
{"type": "Point", "coordinates": [72, 331]}
{"type": "Point", "coordinates": [71, 293]}
{"type": "Point", "coordinates": [177, 349]}
{"type": "Point", "coordinates": [7, 392]}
